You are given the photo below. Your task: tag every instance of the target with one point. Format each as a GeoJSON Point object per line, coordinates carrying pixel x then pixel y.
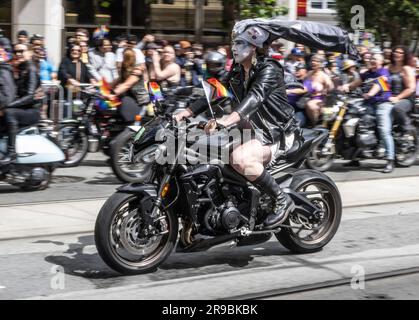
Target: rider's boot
{"type": "Point", "coordinates": [389, 166]}
{"type": "Point", "coordinates": [11, 156]}
{"type": "Point", "coordinates": [282, 202]}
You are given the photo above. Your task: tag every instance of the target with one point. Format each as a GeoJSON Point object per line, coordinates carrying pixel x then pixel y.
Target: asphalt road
{"type": "Point", "coordinates": [94, 179]}
{"type": "Point", "coordinates": [369, 240]}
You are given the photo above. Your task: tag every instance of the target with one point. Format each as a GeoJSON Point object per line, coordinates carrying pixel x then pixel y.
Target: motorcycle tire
{"type": "Point", "coordinates": [332, 203]}
{"type": "Point", "coordinates": [320, 164]}
{"type": "Point", "coordinates": [120, 145]}
{"type": "Point", "coordinates": [105, 242]}
{"type": "Point", "coordinates": [411, 158]}
{"type": "Point", "coordinates": [74, 159]}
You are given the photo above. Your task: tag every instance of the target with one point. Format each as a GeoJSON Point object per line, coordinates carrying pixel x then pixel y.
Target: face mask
{"type": "Point", "coordinates": [241, 50]}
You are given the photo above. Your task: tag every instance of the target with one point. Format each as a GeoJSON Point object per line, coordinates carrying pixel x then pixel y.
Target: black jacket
{"type": "Point", "coordinates": [7, 85]}
{"type": "Point", "coordinates": [26, 84]}
{"type": "Point", "coordinates": [68, 70]}
{"type": "Point", "coordinates": [263, 100]}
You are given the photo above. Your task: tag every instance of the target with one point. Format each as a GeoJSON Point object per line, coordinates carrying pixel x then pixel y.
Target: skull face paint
{"type": "Point", "coordinates": [241, 50]}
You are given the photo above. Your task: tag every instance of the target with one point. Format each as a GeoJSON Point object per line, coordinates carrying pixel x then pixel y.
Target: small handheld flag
{"type": "Point", "coordinates": [218, 91]}
{"type": "Point", "coordinates": [101, 32]}
{"type": "Point", "coordinates": [103, 105]}
{"type": "Point", "coordinates": [155, 92]}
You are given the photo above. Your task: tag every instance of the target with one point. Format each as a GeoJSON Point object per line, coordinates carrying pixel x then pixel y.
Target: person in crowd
{"type": "Point", "coordinates": [23, 37]}
{"type": "Point", "coordinates": [37, 41]}
{"type": "Point", "coordinates": [277, 51]}
{"type": "Point", "coordinates": [332, 69]}
{"type": "Point", "coordinates": [318, 86]}
{"type": "Point", "coordinates": [191, 70]}
{"type": "Point", "coordinates": [82, 35]}
{"type": "Point", "coordinates": [24, 109]}
{"type": "Point", "coordinates": [131, 43]}
{"type": "Point", "coordinates": [349, 78]}
{"type": "Point", "coordinates": [403, 88]}
{"type": "Point", "coordinates": [365, 64]}
{"type": "Point", "coordinates": [377, 80]}
{"type": "Point", "coordinates": [149, 50]}
{"type": "Point", "coordinates": [7, 82]}
{"type": "Point", "coordinates": [167, 71]}
{"type": "Point", "coordinates": [130, 87]}
{"type": "Point", "coordinates": [102, 60]}
{"type": "Point", "coordinates": [387, 57]}
{"type": "Point", "coordinates": [296, 57]}
{"type": "Point", "coordinates": [148, 38]}
{"type": "Point", "coordinates": [84, 52]}
{"type": "Point", "coordinates": [73, 72]}
{"type": "Point", "coordinates": [295, 95]}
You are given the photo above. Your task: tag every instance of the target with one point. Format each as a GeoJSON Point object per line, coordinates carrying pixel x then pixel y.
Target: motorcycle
{"type": "Point", "coordinates": [129, 163]}
{"type": "Point", "coordinates": [37, 157]}
{"type": "Point", "coordinates": [90, 129]}
{"type": "Point", "coordinates": [137, 228]}
{"type": "Point", "coordinates": [353, 135]}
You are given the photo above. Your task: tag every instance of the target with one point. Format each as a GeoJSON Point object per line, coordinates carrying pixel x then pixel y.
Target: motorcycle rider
{"type": "Point", "coordinates": [258, 82]}
{"type": "Point", "coordinates": [215, 68]}
{"type": "Point", "coordinates": [23, 111]}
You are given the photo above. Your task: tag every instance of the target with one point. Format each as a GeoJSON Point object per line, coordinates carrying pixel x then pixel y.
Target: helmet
{"type": "Point", "coordinates": [254, 35]}
{"type": "Point", "coordinates": [215, 62]}
{"type": "Point", "coordinates": [348, 64]}
{"type": "Point", "coordinates": [297, 52]}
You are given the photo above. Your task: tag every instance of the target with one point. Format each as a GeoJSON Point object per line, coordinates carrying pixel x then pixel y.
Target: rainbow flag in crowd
{"type": "Point", "coordinates": [101, 32]}
{"type": "Point", "coordinates": [103, 105]}
{"type": "Point", "coordinates": [382, 82]}
{"type": "Point", "coordinates": [155, 91]}
{"type": "Point", "coordinates": [218, 91]}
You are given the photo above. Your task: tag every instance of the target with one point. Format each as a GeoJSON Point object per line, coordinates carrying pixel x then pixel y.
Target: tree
{"type": "Point", "coordinates": [394, 20]}
{"type": "Point", "coordinates": [260, 9]}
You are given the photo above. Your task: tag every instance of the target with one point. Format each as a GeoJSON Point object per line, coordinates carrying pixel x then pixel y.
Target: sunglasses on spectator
{"type": "Point", "coordinates": [398, 52]}
{"type": "Point", "coordinates": [20, 51]}
{"type": "Point", "coordinates": [75, 50]}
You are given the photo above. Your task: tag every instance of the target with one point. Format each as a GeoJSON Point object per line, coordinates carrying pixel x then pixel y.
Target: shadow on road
{"type": "Point", "coordinates": [105, 178]}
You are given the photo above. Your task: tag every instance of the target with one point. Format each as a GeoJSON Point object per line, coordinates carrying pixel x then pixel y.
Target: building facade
{"type": "Point", "coordinates": [168, 19]}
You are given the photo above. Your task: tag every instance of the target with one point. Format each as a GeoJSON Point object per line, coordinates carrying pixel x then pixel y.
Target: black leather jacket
{"type": "Point", "coordinates": [263, 100]}
{"type": "Point", "coordinates": [26, 84]}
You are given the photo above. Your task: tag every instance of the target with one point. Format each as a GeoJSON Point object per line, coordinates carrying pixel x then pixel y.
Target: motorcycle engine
{"type": "Point", "coordinates": [365, 137]}
{"type": "Point", "coordinates": [27, 176]}
{"type": "Point", "coordinates": [226, 218]}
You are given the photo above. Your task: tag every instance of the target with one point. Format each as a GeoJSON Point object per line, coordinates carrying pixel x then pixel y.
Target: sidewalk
{"type": "Point", "coordinates": [79, 216]}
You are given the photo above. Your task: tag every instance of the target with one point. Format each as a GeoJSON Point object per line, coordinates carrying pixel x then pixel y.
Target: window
{"type": "Point", "coordinates": [6, 17]}
{"type": "Point", "coordinates": [322, 4]}
{"type": "Point", "coordinates": [96, 12]}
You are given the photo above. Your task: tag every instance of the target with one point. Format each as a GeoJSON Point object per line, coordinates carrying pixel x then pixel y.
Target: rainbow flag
{"type": "Point", "coordinates": [218, 91]}
{"type": "Point", "coordinates": [103, 105]}
{"type": "Point", "coordinates": [155, 92]}
{"type": "Point", "coordinates": [101, 32]}
{"type": "Point", "coordinates": [382, 82]}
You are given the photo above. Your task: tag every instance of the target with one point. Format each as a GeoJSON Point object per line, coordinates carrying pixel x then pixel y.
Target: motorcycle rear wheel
{"type": "Point", "coordinates": [325, 195]}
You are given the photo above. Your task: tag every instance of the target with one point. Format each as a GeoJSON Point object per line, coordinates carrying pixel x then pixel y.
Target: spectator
{"type": "Point", "coordinates": [277, 51]}
{"type": "Point", "coordinates": [103, 61]}
{"type": "Point", "coordinates": [130, 44]}
{"type": "Point", "coordinates": [296, 57]}
{"type": "Point", "coordinates": [167, 71]}
{"type": "Point", "coordinates": [150, 48]}
{"type": "Point", "coordinates": [296, 95]}
{"type": "Point", "coordinates": [23, 37]}
{"type": "Point", "coordinates": [37, 41]}
{"type": "Point", "coordinates": [82, 35]}
{"type": "Point", "coordinates": [73, 72]}
{"type": "Point", "coordinates": [403, 88]}
{"type": "Point", "coordinates": [148, 38]}
{"type": "Point", "coordinates": [319, 84]}
{"type": "Point", "coordinates": [84, 52]}
{"type": "Point", "coordinates": [365, 62]}
{"type": "Point", "coordinates": [349, 77]}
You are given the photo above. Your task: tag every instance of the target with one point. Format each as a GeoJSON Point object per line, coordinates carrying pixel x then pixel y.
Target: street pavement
{"type": "Point", "coordinates": [47, 248]}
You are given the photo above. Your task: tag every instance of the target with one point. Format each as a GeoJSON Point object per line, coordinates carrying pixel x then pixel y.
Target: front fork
{"type": "Point", "coordinates": [329, 145]}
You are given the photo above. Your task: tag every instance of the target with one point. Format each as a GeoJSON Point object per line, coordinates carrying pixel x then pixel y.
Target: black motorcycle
{"type": "Point", "coordinates": [138, 226]}
{"type": "Point", "coordinates": [129, 160]}
{"type": "Point", "coordinates": [90, 129]}
{"type": "Point", "coordinates": [353, 135]}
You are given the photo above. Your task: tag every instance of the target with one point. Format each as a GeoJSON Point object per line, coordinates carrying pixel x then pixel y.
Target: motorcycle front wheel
{"type": "Point", "coordinates": [125, 239]}
{"type": "Point", "coordinates": [74, 144]}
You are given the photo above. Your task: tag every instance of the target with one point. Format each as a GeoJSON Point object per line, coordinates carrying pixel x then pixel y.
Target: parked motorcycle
{"type": "Point", "coordinates": [137, 228]}
{"type": "Point", "coordinates": [37, 157]}
{"type": "Point", "coordinates": [353, 135]}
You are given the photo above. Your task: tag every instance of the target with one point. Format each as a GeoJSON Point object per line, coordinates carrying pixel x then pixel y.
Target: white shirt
{"type": "Point", "coordinates": [138, 54]}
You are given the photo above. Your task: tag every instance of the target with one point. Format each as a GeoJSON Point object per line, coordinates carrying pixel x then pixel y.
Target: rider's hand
{"type": "Point", "coordinates": [210, 127]}
{"type": "Point", "coordinates": [394, 99]}
{"type": "Point", "coordinates": [184, 114]}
